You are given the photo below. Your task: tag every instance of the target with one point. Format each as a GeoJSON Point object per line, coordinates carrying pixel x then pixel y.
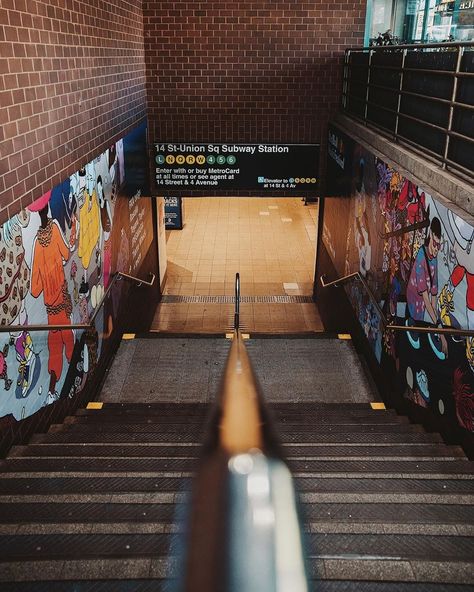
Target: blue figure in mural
{"type": "Point", "coordinates": [63, 207]}
{"type": "Point", "coordinates": [422, 289]}
{"type": "Point", "coordinates": [422, 380]}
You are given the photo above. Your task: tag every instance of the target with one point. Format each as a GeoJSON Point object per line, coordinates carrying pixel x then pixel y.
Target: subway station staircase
{"type": "Point", "coordinates": [92, 505]}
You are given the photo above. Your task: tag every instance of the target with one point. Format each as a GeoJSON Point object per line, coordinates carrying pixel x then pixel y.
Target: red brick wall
{"type": "Point", "coordinates": [72, 81]}
{"type": "Point", "coordinates": [246, 71]}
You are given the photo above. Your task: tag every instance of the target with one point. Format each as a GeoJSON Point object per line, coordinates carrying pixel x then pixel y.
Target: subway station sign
{"type": "Point", "coordinates": [292, 168]}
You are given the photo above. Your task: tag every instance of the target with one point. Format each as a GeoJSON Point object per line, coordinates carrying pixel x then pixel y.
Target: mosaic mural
{"type": "Point", "coordinates": [417, 258]}
{"type": "Point", "coordinates": [57, 259]}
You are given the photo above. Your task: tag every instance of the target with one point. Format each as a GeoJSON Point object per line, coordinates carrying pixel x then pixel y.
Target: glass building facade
{"type": "Point", "coordinates": [419, 21]}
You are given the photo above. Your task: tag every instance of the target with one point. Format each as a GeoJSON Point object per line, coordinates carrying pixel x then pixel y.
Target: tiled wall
{"type": "Point", "coordinates": [246, 71]}
{"type": "Point", "coordinates": [72, 81]}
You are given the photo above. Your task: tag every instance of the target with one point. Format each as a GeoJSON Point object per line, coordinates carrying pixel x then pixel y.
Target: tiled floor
{"type": "Point", "coordinates": [269, 241]}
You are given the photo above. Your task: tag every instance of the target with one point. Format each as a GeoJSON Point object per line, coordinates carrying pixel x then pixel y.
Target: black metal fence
{"type": "Point", "coordinates": [419, 94]}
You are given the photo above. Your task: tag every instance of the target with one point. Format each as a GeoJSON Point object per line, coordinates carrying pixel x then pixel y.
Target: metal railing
{"type": "Point", "coordinates": [422, 95]}
{"type": "Point", "coordinates": [117, 276]}
{"type": "Point", "coordinates": [243, 529]}
{"type": "Point", "coordinates": [386, 322]}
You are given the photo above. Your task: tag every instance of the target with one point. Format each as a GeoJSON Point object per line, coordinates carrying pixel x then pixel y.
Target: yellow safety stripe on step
{"type": "Point", "coordinates": [377, 406]}
{"type": "Point", "coordinates": [128, 336]}
{"type": "Point", "coordinates": [231, 336]}
{"type": "Point", "coordinates": [344, 336]}
{"type": "Point", "coordinates": [94, 405]}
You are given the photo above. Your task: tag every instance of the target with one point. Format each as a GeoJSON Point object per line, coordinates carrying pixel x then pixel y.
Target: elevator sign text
{"type": "Point", "coordinates": [292, 168]}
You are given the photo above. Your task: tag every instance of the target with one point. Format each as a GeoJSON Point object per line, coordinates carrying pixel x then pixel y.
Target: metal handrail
{"type": "Point", "coordinates": [243, 507]}
{"type": "Point", "coordinates": [364, 103]}
{"type": "Point", "coordinates": [237, 302]}
{"type": "Point", "coordinates": [441, 45]}
{"type": "Point", "coordinates": [387, 323]}
{"type": "Point", "coordinates": [117, 276]}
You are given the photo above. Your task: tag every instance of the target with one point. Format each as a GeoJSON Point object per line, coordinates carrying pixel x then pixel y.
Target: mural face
{"type": "Point", "coordinates": [56, 262]}
{"type": "Point", "coordinates": [417, 257]}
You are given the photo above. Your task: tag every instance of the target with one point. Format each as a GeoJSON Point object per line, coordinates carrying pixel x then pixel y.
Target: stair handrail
{"type": "Point", "coordinates": [237, 302]}
{"type": "Point", "coordinates": [80, 326]}
{"type": "Point", "coordinates": [387, 323]}
{"type": "Point", "coordinates": [238, 493]}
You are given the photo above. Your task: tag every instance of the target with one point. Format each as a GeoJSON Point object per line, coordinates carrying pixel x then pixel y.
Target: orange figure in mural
{"type": "Point", "coordinates": [50, 252]}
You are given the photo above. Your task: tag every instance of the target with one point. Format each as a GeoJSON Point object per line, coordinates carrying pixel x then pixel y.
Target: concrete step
{"type": "Point", "coordinates": [309, 451]}
{"type": "Point", "coordinates": [448, 518]}
{"type": "Point", "coordinates": [410, 547]}
{"type": "Point", "coordinates": [335, 464]}
{"type": "Point", "coordinates": [308, 422]}
{"type": "Point", "coordinates": [144, 559]}
{"type": "Point", "coordinates": [156, 438]}
{"type": "Point", "coordinates": [162, 585]}
{"type": "Point", "coordinates": [443, 487]}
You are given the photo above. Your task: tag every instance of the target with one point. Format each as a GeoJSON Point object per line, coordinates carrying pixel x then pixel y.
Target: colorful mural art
{"type": "Point", "coordinates": [57, 258]}
{"type": "Point", "coordinates": [416, 256]}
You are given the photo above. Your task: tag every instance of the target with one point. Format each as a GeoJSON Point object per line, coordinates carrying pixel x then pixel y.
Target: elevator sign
{"type": "Point", "coordinates": [292, 168]}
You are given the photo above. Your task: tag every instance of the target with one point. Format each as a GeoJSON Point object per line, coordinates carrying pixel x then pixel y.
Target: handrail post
{"type": "Point", "coordinates": [237, 302]}
{"type": "Point", "coordinates": [367, 92]}
{"type": "Point", "coordinates": [451, 106]}
{"type": "Point", "coordinates": [345, 79]}
{"type": "Point", "coordinates": [400, 92]}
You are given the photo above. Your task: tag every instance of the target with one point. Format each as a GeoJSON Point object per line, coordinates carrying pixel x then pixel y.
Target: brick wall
{"type": "Point", "coordinates": [246, 71]}
{"type": "Point", "coordinates": [72, 81]}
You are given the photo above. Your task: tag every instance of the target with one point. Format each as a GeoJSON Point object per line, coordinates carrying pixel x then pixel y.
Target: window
{"type": "Point", "coordinates": [419, 21]}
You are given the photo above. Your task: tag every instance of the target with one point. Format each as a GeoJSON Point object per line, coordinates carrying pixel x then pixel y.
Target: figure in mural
{"type": "Point", "coordinates": [63, 207]}
{"type": "Point", "coordinates": [422, 287]}
{"type": "Point", "coordinates": [106, 227]}
{"type": "Point", "coordinates": [363, 243]}
{"type": "Point", "coordinates": [89, 221]}
{"type": "Point", "coordinates": [4, 367]}
{"type": "Point", "coordinates": [464, 269]}
{"type": "Point", "coordinates": [50, 252]}
{"type": "Point", "coordinates": [362, 234]}
{"type": "Point", "coordinates": [14, 271]}
{"type": "Point", "coordinates": [29, 363]}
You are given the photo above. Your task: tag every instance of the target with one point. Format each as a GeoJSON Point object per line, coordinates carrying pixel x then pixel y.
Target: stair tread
{"type": "Point", "coordinates": [63, 485]}
{"type": "Point", "coordinates": [193, 450]}
{"type": "Point", "coordinates": [321, 545]}
{"type": "Point", "coordinates": [420, 514]}
{"type": "Point", "coordinates": [157, 438]}
{"type": "Point", "coordinates": [342, 464]}
{"type": "Point", "coordinates": [163, 585]}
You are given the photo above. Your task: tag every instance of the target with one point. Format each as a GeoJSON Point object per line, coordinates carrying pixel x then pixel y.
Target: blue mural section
{"type": "Point", "coordinates": [416, 255]}
{"type": "Point", "coordinates": [57, 259]}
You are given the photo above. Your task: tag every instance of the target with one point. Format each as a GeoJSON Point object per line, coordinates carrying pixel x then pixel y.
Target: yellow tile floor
{"type": "Point", "coordinates": [269, 241]}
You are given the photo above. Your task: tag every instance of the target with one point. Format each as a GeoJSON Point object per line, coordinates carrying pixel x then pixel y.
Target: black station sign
{"type": "Point", "coordinates": [292, 168]}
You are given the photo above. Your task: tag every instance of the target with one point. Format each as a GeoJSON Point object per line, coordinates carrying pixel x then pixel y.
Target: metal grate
{"type": "Point", "coordinates": [278, 299]}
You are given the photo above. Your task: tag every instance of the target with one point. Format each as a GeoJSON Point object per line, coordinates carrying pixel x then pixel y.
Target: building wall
{"type": "Point", "coordinates": [247, 71]}
{"type": "Point", "coordinates": [72, 82]}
